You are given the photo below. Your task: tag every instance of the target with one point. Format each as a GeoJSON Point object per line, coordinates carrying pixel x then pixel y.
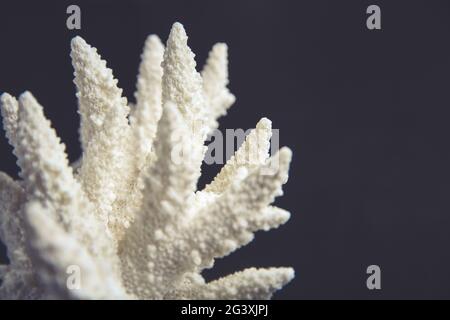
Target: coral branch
{"type": "Point", "coordinates": [250, 284]}
{"type": "Point", "coordinates": [56, 254]}
{"type": "Point", "coordinates": [11, 222]}
{"type": "Point", "coordinates": [215, 81]}
{"type": "Point", "coordinates": [105, 172]}
{"type": "Point", "coordinates": [43, 161]}
{"type": "Point", "coordinates": [148, 109]}
{"type": "Point", "coordinates": [168, 186]}
{"type": "Point", "coordinates": [10, 115]}
{"type": "Point", "coordinates": [252, 153]}
{"type": "Point", "coordinates": [182, 84]}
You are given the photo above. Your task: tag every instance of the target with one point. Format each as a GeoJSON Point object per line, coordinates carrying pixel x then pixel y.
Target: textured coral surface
{"type": "Point", "coordinates": [128, 214]}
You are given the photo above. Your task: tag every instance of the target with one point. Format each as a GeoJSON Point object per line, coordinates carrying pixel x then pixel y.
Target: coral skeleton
{"type": "Point", "coordinates": [128, 214]}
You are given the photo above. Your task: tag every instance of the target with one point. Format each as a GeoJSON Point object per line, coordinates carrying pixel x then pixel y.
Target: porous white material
{"type": "Point", "coordinates": [130, 217]}
{"type": "Point", "coordinates": [215, 81]}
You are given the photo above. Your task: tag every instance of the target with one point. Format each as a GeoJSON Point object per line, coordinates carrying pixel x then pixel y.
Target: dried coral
{"type": "Point", "coordinates": [130, 215]}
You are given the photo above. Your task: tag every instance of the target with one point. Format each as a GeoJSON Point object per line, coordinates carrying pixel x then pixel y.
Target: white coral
{"type": "Point", "coordinates": [130, 217]}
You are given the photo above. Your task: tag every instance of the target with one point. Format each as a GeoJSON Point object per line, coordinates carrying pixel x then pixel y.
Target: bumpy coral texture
{"type": "Point", "coordinates": [128, 214]}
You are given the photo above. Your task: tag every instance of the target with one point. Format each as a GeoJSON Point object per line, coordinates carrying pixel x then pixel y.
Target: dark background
{"type": "Point", "coordinates": [365, 112]}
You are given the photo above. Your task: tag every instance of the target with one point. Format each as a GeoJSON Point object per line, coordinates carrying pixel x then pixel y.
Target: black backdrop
{"type": "Point", "coordinates": [365, 112]}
